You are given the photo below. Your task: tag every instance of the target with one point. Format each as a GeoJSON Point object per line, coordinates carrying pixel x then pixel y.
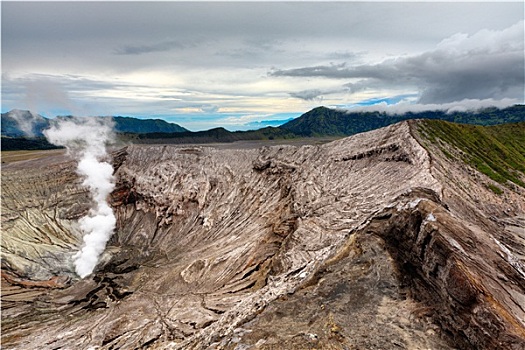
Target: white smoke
{"type": "Point", "coordinates": [86, 139]}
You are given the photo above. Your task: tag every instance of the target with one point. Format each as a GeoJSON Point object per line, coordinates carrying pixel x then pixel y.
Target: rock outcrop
{"type": "Point", "coordinates": [368, 242]}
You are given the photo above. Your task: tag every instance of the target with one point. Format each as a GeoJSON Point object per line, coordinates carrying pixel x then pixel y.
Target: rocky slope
{"type": "Point", "coordinates": [377, 241]}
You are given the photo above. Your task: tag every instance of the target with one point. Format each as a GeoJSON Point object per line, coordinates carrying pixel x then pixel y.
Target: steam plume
{"type": "Point", "coordinates": [86, 139]}
{"type": "Point", "coordinates": [28, 122]}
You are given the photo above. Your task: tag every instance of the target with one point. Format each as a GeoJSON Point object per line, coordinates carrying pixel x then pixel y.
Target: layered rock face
{"type": "Point", "coordinates": [369, 242]}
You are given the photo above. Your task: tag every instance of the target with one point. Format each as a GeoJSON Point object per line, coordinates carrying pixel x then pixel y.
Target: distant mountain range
{"type": "Point", "coordinates": [319, 122]}
{"type": "Point", "coordinates": [19, 123]}
{"type": "Point", "coordinates": [324, 121]}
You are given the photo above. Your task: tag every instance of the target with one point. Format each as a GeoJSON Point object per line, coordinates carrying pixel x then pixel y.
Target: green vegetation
{"type": "Point", "coordinates": [495, 189]}
{"type": "Point", "coordinates": [446, 153]}
{"type": "Point", "coordinates": [496, 151]}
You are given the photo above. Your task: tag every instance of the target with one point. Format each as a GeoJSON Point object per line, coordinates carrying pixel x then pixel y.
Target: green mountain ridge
{"type": "Point", "coordinates": [319, 122]}
{"type": "Point", "coordinates": [326, 122]}
{"type": "Point", "coordinates": [20, 123]}
{"type": "Point", "coordinates": [135, 125]}
{"type": "Point", "coordinates": [322, 121]}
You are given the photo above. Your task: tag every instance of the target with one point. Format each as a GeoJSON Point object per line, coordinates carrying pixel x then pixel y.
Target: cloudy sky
{"type": "Point", "coordinates": [249, 64]}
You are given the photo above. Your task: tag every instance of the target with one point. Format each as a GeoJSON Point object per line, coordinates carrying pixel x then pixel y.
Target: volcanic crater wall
{"type": "Point", "coordinates": [359, 243]}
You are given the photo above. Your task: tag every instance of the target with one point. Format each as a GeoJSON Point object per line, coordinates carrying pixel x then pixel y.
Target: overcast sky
{"type": "Point", "coordinates": [205, 64]}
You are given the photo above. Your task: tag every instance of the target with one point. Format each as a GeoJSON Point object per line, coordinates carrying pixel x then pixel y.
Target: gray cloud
{"type": "Point", "coordinates": [463, 105]}
{"type": "Point", "coordinates": [363, 85]}
{"type": "Point", "coordinates": [209, 108]}
{"type": "Point", "coordinates": [307, 95]}
{"type": "Point", "coordinates": [252, 50]}
{"type": "Point", "coordinates": [488, 64]}
{"type": "Point", "coordinates": [171, 58]}
{"type": "Point", "coordinates": [317, 94]}
{"type": "Point", "coordinates": [156, 47]}
{"type": "Point", "coordinates": [331, 71]}
{"type": "Point", "coordinates": [274, 20]}
{"type": "Point", "coordinates": [86, 35]}
{"type": "Point", "coordinates": [344, 55]}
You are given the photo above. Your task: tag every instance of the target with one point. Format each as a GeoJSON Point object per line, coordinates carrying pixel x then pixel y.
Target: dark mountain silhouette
{"type": "Point", "coordinates": [210, 136]}
{"type": "Point", "coordinates": [134, 125]}
{"type": "Point", "coordinates": [19, 123]}
{"type": "Point", "coordinates": [326, 122]}
{"type": "Point", "coordinates": [23, 130]}
{"type": "Point", "coordinates": [322, 121]}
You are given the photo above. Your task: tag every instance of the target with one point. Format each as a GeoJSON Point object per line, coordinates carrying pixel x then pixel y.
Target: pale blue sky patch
{"type": "Point", "coordinates": [231, 122]}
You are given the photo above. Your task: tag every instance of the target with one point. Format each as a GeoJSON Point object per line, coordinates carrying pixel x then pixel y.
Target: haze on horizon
{"type": "Point", "coordinates": [242, 65]}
